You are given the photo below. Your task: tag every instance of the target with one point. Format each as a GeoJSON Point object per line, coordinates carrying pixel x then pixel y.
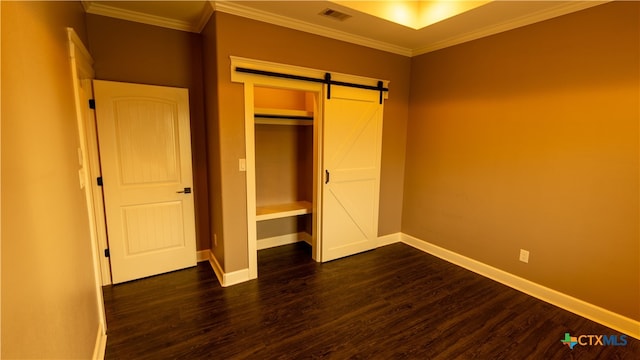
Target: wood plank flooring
{"type": "Point", "coordinates": [395, 302]}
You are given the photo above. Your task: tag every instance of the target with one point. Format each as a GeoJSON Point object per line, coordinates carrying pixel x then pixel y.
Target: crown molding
{"type": "Point", "coordinates": [562, 9]}
{"type": "Point", "coordinates": [246, 12]}
{"type": "Point", "coordinates": [86, 4]}
{"type": "Point", "coordinates": [135, 16]}
{"type": "Point", "coordinates": [204, 18]}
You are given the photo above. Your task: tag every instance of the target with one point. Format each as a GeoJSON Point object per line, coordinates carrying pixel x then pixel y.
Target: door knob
{"type": "Point", "coordinates": [186, 190]}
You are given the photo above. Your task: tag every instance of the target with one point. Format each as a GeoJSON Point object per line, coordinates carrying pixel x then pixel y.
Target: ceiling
{"type": "Point", "coordinates": [407, 28]}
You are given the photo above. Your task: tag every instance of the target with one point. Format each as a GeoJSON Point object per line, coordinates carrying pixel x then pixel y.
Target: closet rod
{"type": "Point", "coordinates": [326, 80]}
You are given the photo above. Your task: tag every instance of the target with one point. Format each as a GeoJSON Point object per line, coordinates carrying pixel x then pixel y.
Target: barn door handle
{"type": "Point", "coordinates": [326, 179]}
{"type": "Point", "coordinates": [186, 190]}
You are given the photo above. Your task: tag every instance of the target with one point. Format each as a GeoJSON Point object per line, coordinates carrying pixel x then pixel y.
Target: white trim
{"type": "Point", "coordinates": [262, 80]}
{"type": "Point", "coordinates": [237, 9]}
{"type": "Point", "coordinates": [139, 17]}
{"type": "Point", "coordinates": [279, 20]}
{"type": "Point", "coordinates": [582, 308]}
{"type": "Point", "coordinates": [79, 52]}
{"type": "Point", "coordinates": [81, 65]}
{"type": "Point", "coordinates": [306, 237]}
{"type": "Point", "coordinates": [86, 4]}
{"type": "Point", "coordinates": [528, 19]}
{"type": "Point", "coordinates": [389, 239]}
{"type": "Point", "coordinates": [204, 18]}
{"type": "Point", "coordinates": [318, 175]}
{"type": "Point", "coordinates": [236, 277]}
{"type": "Point", "coordinates": [603, 316]}
{"type": "Point", "coordinates": [285, 239]}
{"type": "Point", "coordinates": [250, 176]}
{"type": "Point", "coordinates": [100, 346]}
{"type": "Point", "coordinates": [227, 279]}
{"type": "Point", "coordinates": [215, 265]}
{"type": "Point", "coordinates": [202, 255]}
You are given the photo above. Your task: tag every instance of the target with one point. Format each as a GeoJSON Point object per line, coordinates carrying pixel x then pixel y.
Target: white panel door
{"type": "Point", "coordinates": [352, 146]}
{"type": "Point", "coordinates": [145, 151]}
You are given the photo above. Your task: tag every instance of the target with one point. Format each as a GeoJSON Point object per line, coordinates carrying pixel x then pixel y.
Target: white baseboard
{"type": "Point", "coordinates": [580, 307]}
{"type": "Point", "coordinates": [235, 277]}
{"type": "Point", "coordinates": [285, 239]}
{"type": "Point", "coordinates": [592, 312]}
{"type": "Point", "coordinates": [227, 279]}
{"type": "Point", "coordinates": [306, 237]}
{"type": "Point", "coordinates": [215, 265]}
{"type": "Point", "coordinates": [202, 255]}
{"type": "Point", "coordinates": [100, 346]}
{"type": "Point", "coordinates": [389, 239]}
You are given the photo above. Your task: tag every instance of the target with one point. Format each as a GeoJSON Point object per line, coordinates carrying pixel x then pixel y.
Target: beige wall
{"type": "Point", "coordinates": [49, 303]}
{"type": "Point", "coordinates": [526, 139]}
{"type": "Point", "coordinates": [138, 53]}
{"type": "Point", "coordinates": [252, 39]}
{"type": "Point", "coordinates": [529, 139]}
{"type": "Point", "coordinates": [209, 51]}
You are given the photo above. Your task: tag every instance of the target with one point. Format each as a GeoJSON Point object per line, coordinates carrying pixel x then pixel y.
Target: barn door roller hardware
{"type": "Point", "coordinates": [326, 80]}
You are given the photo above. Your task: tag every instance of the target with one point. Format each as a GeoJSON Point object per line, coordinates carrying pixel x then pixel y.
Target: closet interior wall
{"type": "Point", "coordinates": [284, 165]}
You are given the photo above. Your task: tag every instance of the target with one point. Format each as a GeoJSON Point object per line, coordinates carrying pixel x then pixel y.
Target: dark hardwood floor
{"type": "Point", "coordinates": [395, 302]}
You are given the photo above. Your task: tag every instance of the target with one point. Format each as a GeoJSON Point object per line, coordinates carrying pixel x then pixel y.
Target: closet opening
{"type": "Point", "coordinates": [284, 143]}
{"type": "Point", "coordinates": [312, 160]}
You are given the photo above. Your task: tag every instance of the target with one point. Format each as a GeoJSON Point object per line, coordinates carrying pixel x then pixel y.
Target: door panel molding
{"type": "Point", "coordinates": [145, 146]}
{"type": "Point", "coordinates": [352, 154]}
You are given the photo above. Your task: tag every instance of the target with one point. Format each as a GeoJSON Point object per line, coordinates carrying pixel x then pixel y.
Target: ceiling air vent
{"type": "Point", "coordinates": [334, 14]}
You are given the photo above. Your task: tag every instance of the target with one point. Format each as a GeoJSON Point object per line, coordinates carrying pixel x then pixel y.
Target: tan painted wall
{"type": "Point", "coordinates": [49, 303]}
{"type": "Point", "coordinates": [138, 53]}
{"type": "Point", "coordinates": [209, 57]}
{"type": "Point", "coordinates": [529, 139]}
{"type": "Point", "coordinates": [252, 39]}
{"type": "Point", "coordinates": [280, 99]}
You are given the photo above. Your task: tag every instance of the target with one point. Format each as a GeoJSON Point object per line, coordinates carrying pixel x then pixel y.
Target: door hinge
{"type": "Point", "coordinates": [106, 253]}
{"type": "Point", "coordinates": [99, 180]}
{"type": "Point", "coordinates": [92, 104]}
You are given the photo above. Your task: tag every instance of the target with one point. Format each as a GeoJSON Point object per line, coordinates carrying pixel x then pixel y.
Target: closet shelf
{"type": "Point", "coordinates": [282, 117]}
{"type": "Point", "coordinates": [282, 210]}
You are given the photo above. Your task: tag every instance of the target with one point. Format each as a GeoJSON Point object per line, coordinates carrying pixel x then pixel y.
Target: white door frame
{"type": "Point", "coordinates": [82, 71]}
{"type": "Point", "coordinates": [250, 81]}
{"type": "Point", "coordinates": [89, 139]}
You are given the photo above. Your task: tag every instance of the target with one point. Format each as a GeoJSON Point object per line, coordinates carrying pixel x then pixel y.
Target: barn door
{"type": "Point", "coordinates": [145, 151]}
{"type": "Point", "coordinates": [351, 156]}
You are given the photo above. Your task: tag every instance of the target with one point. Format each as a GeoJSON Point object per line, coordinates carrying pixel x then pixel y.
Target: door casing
{"type": "Point", "coordinates": [82, 74]}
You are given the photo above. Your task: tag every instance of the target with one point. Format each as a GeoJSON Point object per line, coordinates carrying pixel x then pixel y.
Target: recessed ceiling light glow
{"type": "Point", "coordinates": [400, 13]}
{"type": "Point", "coordinates": [415, 14]}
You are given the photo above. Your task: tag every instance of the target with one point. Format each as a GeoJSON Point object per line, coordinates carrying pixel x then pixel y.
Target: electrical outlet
{"type": "Point", "coordinates": [524, 256]}
{"type": "Point", "coordinates": [242, 165]}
